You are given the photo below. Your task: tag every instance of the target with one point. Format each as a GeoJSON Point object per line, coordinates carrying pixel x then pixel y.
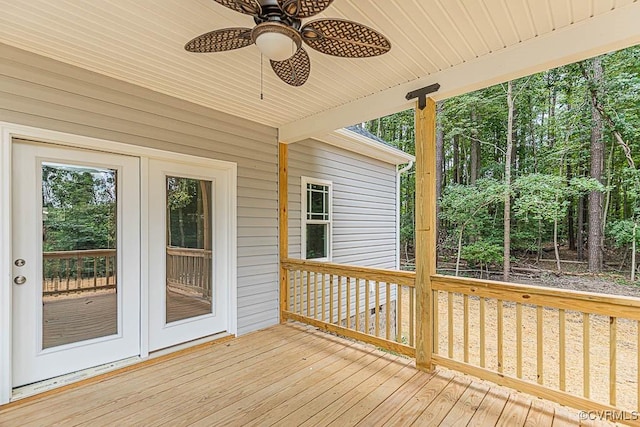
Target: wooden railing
{"type": "Point", "coordinates": [190, 270]}
{"type": "Point", "coordinates": [372, 305]}
{"type": "Point", "coordinates": [67, 272]}
{"type": "Point", "coordinates": [576, 348]}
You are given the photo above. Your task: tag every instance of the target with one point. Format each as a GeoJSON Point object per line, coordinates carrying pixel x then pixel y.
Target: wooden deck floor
{"type": "Point", "coordinates": [287, 375]}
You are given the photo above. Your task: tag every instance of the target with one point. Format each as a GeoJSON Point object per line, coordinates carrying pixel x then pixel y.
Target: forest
{"type": "Point", "coordinates": [536, 174]}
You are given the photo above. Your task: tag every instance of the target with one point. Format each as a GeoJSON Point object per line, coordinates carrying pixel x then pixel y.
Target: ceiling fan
{"type": "Point", "coordinates": [279, 34]}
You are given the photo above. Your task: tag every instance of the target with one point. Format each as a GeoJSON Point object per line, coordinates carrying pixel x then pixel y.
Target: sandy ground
{"type": "Point", "coordinates": [627, 339]}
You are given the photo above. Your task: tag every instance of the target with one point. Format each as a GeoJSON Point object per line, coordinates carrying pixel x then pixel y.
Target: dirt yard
{"type": "Point", "coordinates": [627, 338]}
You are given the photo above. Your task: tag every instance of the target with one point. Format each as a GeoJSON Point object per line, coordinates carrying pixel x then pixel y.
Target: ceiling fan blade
{"type": "Point", "coordinates": [303, 8]}
{"type": "Point", "coordinates": [220, 40]}
{"type": "Point", "coordinates": [348, 39]}
{"type": "Point", "coordinates": [295, 70]}
{"type": "Point", "coordinates": [248, 7]}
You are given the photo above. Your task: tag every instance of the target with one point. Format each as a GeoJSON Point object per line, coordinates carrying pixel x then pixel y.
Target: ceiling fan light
{"type": "Point", "coordinates": [291, 8]}
{"type": "Point", "coordinates": [276, 41]}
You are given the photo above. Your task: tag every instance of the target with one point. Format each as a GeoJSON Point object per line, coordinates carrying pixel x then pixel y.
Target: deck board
{"type": "Point", "coordinates": [287, 375]}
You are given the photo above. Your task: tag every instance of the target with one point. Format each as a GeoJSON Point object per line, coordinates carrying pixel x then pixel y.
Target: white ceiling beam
{"type": "Point", "coordinates": [604, 33]}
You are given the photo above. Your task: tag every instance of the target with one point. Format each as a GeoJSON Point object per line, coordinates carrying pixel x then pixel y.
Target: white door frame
{"type": "Point", "coordinates": [8, 131]}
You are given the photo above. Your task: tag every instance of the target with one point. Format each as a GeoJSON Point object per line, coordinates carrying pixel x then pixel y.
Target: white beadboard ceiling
{"type": "Point", "coordinates": [461, 44]}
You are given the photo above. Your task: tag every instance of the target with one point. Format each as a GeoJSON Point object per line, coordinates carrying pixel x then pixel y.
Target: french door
{"type": "Point", "coordinates": [188, 257]}
{"type": "Point", "coordinates": [76, 267]}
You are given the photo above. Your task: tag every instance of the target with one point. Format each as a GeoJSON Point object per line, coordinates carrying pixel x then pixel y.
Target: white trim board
{"type": "Point", "coordinates": [352, 141]}
{"type": "Point", "coordinates": [9, 131]}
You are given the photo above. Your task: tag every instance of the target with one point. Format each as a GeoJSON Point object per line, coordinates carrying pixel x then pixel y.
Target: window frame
{"type": "Point", "coordinates": [304, 182]}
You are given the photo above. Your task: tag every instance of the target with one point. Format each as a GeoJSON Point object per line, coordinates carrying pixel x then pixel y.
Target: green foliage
{"type": "Point", "coordinates": [483, 253]}
{"type": "Point", "coordinates": [621, 232]}
{"type": "Point", "coordinates": [79, 208]}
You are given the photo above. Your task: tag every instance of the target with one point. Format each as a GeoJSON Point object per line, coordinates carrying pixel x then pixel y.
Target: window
{"type": "Point", "coordinates": [316, 219]}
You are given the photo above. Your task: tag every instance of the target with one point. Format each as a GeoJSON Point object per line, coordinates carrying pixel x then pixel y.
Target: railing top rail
{"type": "Point", "coordinates": [172, 250]}
{"type": "Point", "coordinates": [590, 302]}
{"type": "Point", "coordinates": [405, 278]}
{"type": "Point", "coordinates": [80, 253]}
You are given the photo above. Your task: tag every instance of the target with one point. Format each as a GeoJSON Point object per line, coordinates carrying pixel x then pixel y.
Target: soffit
{"type": "Point", "coordinates": [142, 42]}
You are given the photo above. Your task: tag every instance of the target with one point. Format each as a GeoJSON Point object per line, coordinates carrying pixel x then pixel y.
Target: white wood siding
{"type": "Point", "coordinates": [364, 203]}
{"type": "Point", "coordinates": [40, 92]}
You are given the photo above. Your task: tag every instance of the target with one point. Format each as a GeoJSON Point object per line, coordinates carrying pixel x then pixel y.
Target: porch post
{"type": "Point", "coordinates": [283, 229]}
{"type": "Point", "coordinates": [425, 245]}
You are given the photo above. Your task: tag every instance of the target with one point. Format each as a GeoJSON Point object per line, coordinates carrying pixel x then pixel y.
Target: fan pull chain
{"type": "Point", "coordinates": [261, 77]}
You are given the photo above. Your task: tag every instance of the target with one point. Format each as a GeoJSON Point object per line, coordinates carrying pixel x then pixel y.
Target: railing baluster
{"type": "Point", "coordinates": [465, 315]}
{"type": "Point", "coordinates": [315, 295]}
{"type": "Point", "coordinates": [387, 314]}
{"type": "Point", "coordinates": [450, 323]}
{"type": "Point", "coordinates": [295, 291]}
{"type": "Point", "coordinates": [348, 313]}
{"type": "Point", "coordinates": [519, 340]}
{"type": "Point", "coordinates": [95, 272]}
{"type": "Point", "coordinates": [357, 303]}
{"type": "Point", "coordinates": [339, 300]}
{"type": "Point", "coordinates": [586, 369]}
{"type": "Point", "coordinates": [67, 273]}
{"type": "Point", "coordinates": [367, 312]}
{"type": "Point", "coordinates": [638, 364]}
{"type": "Point", "coordinates": [399, 313]}
{"type": "Point", "coordinates": [500, 334]}
{"type": "Point", "coordinates": [377, 326]}
{"type": "Point", "coordinates": [562, 352]}
{"type": "Point", "coordinates": [78, 273]}
{"type": "Point", "coordinates": [308, 293]}
{"type": "Point", "coordinates": [436, 327]}
{"type": "Point", "coordinates": [330, 298]}
{"type": "Point", "coordinates": [482, 332]}
{"type": "Point", "coordinates": [540, 344]}
{"type": "Point", "coordinates": [412, 316]}
{"type": "Point", "coordinates": [106, 268]}
{"type": "Point", "coordinates": [324, 299]}
{"type": "Point", "coordinates": [301, 293]}
{"type": "Point", "coordinates": [613, 359]}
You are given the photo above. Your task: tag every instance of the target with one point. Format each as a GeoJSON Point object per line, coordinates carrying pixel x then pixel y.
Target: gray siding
{"type": "Point", "coordinates": [41, 92]}
{"type": "Point", "coordinates": [364, 203]}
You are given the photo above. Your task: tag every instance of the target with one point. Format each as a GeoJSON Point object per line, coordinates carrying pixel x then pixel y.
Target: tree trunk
{"type": "Point", "coordinates": [555, 240]}
{"type": "Point", "coordinates": [439, 158]}
{"type": "Point", "coordinates": [456, 160]}
{"type": "Point", "coordinates": [181, 227]}
{"type": "Point", "coordinates": [597, 166]}
{"type": "Point", "coordinates": [633, 252]}
{"type": "Point", "coordinates": [459, 250]}
{"type": "Point", "coordinates": [475, 149]}
{"type": "Point", "coordinates": [571, 232]}
{"type": "Point", "coordinates": [580, 231]}
{"type": "Point", "coordinates": [507, 181]}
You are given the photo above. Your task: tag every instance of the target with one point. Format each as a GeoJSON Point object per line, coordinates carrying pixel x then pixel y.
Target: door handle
{"type": "Point", "coordinates": [19, 280]}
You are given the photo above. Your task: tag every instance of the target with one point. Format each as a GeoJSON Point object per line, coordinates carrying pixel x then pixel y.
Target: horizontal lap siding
{"type": "Point", "coordinates": [40, 92]}
{"type": "Point", "coordinates": [364, 203]}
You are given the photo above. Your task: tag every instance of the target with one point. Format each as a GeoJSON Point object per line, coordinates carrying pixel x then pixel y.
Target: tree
{"type": "Point", "coordinates": [597, 165]}
{"type": "Point", "coordinates": [466, 207]}
{"type": "Point", "coordinates": [507, 184]}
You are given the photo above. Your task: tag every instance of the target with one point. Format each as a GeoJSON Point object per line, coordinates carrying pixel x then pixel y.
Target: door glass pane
{"type": "Point", "coordinates": [189, 269]}
{"type": "Point", "coordinates": [79, 221]}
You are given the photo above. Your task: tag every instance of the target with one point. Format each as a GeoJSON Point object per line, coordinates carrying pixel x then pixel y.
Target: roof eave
{"type": "Point", "coordinates": [352, 141]}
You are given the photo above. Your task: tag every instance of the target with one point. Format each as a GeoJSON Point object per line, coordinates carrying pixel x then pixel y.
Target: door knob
{"type": "Point", "coordinates": [19, 280]}
{"type": "Point", "coordinates": [19, 262]}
